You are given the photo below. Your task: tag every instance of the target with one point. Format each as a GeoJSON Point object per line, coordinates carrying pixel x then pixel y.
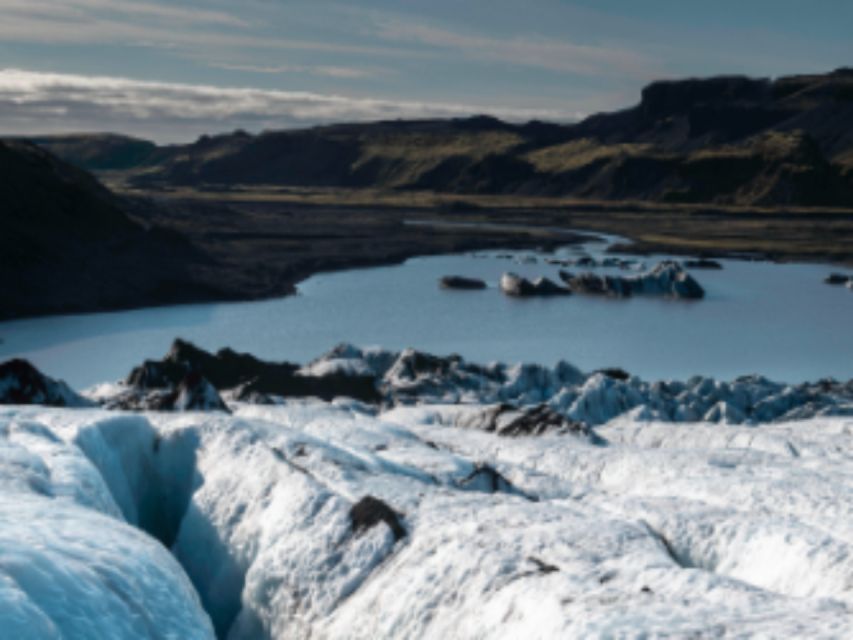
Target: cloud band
{"type": "Point", "coordinates": [37, 102]}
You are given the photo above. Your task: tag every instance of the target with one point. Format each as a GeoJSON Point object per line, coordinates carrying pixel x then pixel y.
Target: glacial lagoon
{"type": "Point", "coordinates": [777, 320]}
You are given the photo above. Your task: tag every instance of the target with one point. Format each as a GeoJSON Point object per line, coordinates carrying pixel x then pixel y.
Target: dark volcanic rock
{"type": "Point", "coordinates": [542, 567]}
{"type": "Point", "coordinates": [615, 373]}
{"type": "Point", "coordinates": [528, 399]}
{"type": "Point", "coordinates": [141, 400]}
{"type": "Point", "coordinates": [248, 394]}
{"type": "Point", "coordinates": [228, 369]}
{"type": "Point", "coordinates": [682, 285]}
{"type": "Point", "coordinates": [156, 374]}
{"type": "Point", "coordinates": [587, 283]}
{"type": "Point", "coordinates": [461, 282]}
{"type": "Point", "coordinates": [195, 393]}
{"type": "Point", "coordinates": [370, 511]}
{"type": "Point", "coordinates": [512, 421]}
{"type": "Point", "coordinates": [538, 420]}
{"type": "Point", "coordinates": [69, 244]}
{"type": "Point", "coordinates": [192, 393]}
{"type": "Point", "coordinates": [413, 364]}
{"type": "Point", "coordinates": [22, 383]}
{"type": "Point", "coordinates": [516, 286]}
{"type": "Point", "coordinates": [837, 278]}
{"type": "Point", "coordinates": [702, 263]}
{"type": "Point", "coordinates": [666, 279]}
{"type": "Point", "coordinates": [486, 479]}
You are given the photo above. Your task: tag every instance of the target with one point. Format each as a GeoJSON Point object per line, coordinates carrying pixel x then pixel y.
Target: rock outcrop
{"type": "Point", "coordinates": [192, 393]}
{"type": "Point", "coordinates": [461, 282]}
{"type": "Point", "coordinates": [519, 287]}
{"type": "Point", "coordinates": [22, 383]}
{"type": "Point", "coordinates": [666, 279]}
{"type": "Point", "coordinates": [702, 263]}
{"type": "Point", "coordinates": [508, 420]}
{"type": "Point", "coordinates": [246, 375]}
{"type": "Point", "coordinates": [509, 400]}
{"type": "Point", "coordinates": [370, 511]}
{"type": "Point", "coordinates": [195, 393]}
{"type": "Point", "coordinates": [532, 399]}
{"type": "Point", "coordinates": [838, 279]}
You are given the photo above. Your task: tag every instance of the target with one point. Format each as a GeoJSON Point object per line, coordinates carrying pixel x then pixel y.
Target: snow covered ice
{"type": "Point", "coordinates": [71, 564]}
{"type": "Point", "coordinates": [196, 524]}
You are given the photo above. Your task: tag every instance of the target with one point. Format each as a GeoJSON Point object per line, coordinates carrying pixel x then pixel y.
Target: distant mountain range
{"type": "Point", "coordinates": [724, 140]}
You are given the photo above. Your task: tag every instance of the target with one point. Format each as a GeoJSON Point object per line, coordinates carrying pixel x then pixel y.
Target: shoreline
{"type": "Point", "coordinates": [255, 249]}
{"type": "Point", "coordinates": [300, 274]}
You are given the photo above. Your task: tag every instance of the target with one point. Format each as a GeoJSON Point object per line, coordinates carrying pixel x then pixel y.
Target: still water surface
{"type": "Point", "coordinates": [757, 317]}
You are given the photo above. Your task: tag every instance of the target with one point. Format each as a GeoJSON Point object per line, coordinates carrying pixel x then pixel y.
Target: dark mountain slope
{"type": "Point", "coordinates": [68, 245]}
{"type": "Point", "coordinates": [97, 152]}
{"type": "Point", "coordinates": [725, 140]}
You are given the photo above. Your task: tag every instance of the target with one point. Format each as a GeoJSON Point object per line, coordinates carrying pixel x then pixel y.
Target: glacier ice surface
{"type": "Point", "coordinates": [186, 525]}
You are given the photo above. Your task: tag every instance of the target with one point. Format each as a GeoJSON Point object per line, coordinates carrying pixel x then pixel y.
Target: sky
{"type": "Point", "coordinates": [173, 70]}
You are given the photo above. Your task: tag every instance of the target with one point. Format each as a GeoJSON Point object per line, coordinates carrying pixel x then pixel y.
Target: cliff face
{"type": "Point", "coordinates": [726, 140]}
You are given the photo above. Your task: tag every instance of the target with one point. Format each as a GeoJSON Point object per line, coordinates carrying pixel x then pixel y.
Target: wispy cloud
{"type": "Point", "coordinates": [80, 9]}
{"type": "Point", "coordinates": [94, 22]}
{"type": "Point", "coordinates": [35, 102]}
{"type": "Point", "coordinates": [329, 71]}
{"type": "Point", "coordinates": [527, 50]}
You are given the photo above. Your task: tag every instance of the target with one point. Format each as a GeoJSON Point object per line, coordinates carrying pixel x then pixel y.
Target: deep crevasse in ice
{"type": "Point", "coordinates": [710, 529]}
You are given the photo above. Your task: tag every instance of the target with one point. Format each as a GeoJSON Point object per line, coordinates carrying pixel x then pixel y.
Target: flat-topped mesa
{"type": "Point", "coordinates": [669, 97]}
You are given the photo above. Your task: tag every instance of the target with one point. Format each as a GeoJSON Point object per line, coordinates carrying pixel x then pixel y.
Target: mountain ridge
{"type": "Point", "coordinates": [729, 140]}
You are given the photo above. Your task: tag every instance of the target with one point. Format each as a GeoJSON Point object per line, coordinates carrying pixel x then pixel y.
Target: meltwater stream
{"type": "Point", "coordinates": [778, 320]}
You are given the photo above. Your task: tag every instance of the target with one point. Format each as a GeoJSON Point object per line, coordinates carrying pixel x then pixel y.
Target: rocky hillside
{"type": "Point", "coordinates": [95, 152]}
{"type": "Point", "coordinates": [725, 140]}
{"type": "Point", "coordinates": [67, 243]}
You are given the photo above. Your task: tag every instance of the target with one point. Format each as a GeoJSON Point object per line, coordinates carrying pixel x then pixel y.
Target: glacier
{"type": "Point", "coordinates": [328, 519]}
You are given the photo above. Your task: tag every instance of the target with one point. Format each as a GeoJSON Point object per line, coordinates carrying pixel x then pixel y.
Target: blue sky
{"type": "Point", "coordinates": [173, 70]}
